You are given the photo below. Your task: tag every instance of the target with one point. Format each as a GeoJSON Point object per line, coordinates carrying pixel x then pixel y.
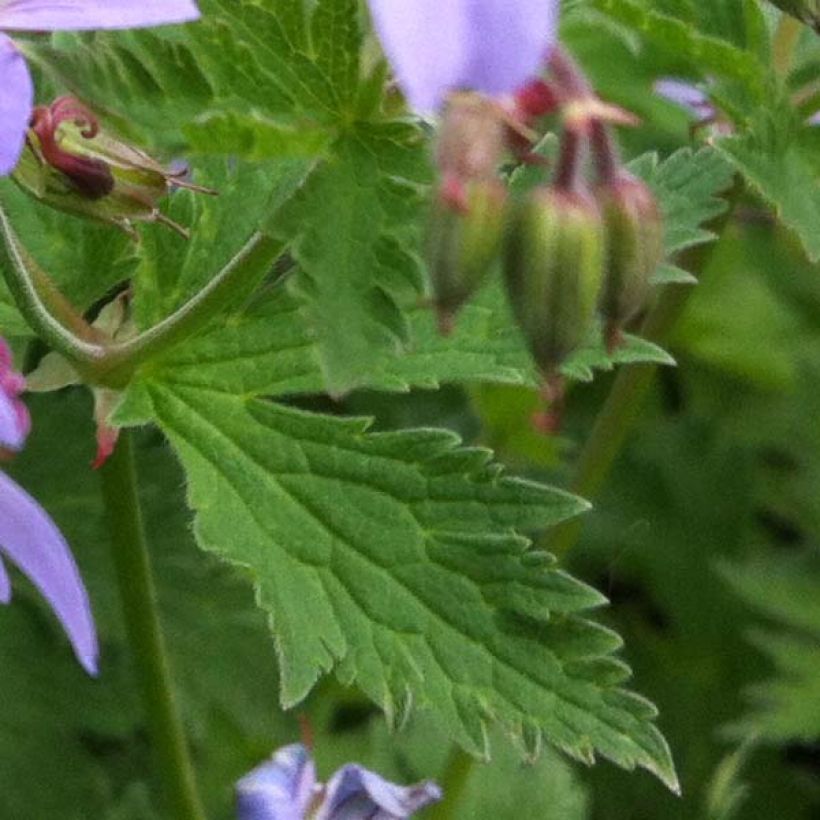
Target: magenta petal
{"type": "Point", "coordinates": [427, 44]}
{"type": "Point", "coordinates": [280, 788]}
{"type": "Point", "coordinates": [354, 793]}
{"type": "Point", "coordinates": [509, 42]}
{"type": "Point", "coordinates": [16, 101]}
{"type": "Point", "coordinates": [30, 539]}
{"type": "Point", "coordinates": [54, 15]}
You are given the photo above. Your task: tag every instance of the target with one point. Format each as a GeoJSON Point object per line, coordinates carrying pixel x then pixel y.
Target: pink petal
{"type": "Point", "coordinates": [74, 15]}
{"type": "Point", "coordinates": [16, 101]}
{"type": "Point", "coordinates": [427, 44]}
{"type": "Point", "coordinates": [30, 539]}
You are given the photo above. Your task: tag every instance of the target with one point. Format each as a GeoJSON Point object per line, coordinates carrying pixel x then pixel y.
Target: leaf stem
{"type": "Point", "coordinates": [234, 282]}
{"type": "Point", "coordinates": [139, 602]}
{"type": "Point", "coordinates": [454, 782]}
{"type": "Point", "coordinates": [112, 364]}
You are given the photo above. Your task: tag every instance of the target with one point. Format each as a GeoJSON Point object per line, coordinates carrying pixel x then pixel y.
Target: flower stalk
{"type": "Point", "coordinates": [113, 364]}
{"type": "Point", "coordinates": [138, 594]}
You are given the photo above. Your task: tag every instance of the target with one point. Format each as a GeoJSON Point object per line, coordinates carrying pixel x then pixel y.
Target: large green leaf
{"type": "Point", "coordinates": [392, 558]}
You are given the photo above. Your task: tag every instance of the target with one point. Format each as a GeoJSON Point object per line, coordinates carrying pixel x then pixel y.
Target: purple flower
{"type": "Point", "coordinates": [687, 95]}
{"type": "Point", "coordinates": [285, 788]}
{"type": "Point", "coordinates": [29, 537]}
{"type": "Point", "coordinates": [490, 46]}
{"type": "Point", "coordinates": [16, 89]}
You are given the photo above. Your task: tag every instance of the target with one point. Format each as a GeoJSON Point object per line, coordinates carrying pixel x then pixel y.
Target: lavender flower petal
{"type": "Point", "coordinates": [354, 793]}
{"type": "Point", "coordinates": [53, 15]}
{"type": "Point", "coordinates": [280, 788]}
{"type": "Point", "coordinates": [509, 42]}
{"type": "Point", "coordinates": [16, 101]}
{"type": "Point", "coordinates": [686, 95]}
{"type": "Point", "coordinates": [30, 539]}
{"type": "Point", "coordinates": [490, 46]}
{"type": "Point", "coordinates": [5, 584]}
{"type": "Point", "coordinates": [427, 43]}
{"type": "Point", "coordinates": [12, 432]}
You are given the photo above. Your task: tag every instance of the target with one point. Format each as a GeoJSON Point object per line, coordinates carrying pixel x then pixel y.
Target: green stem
{"type": "Point", "coordinates": [139, 602]}
{"type": "Point", "coordinates": [112, 364]}
{"type": "Point", "coordinates": [234, 282]}
{"type": "Point", "coordinates": [615, 419]}
{"type": "Point", "coordinates": [632, 384]}
{"type": "Point", "coordinates": [453, 783]}
{"type": "Point", "coordinates": [42, 305]}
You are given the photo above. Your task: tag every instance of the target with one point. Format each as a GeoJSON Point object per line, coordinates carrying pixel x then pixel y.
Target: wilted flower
{"type": "Point", "coordinates": [29, 537]}
{"type": "Point", "coordinates": [285, 788]}
{"type": "Point", "coordinates": [16, 88]}
{"type": "Point", "coordinates": [489, 46]}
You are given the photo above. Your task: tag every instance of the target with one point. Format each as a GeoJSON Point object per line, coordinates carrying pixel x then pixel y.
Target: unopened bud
{"type": "Point", "coordinates": [71, 164]}
{"type": "Point", "coordinates": [553, 264]}
{"type": "Point", "coordinates": [462, 245]}
{"type": "Point", "coordinates": [806, 10]}
{"type": "Point", "coordinates": [634, 239]}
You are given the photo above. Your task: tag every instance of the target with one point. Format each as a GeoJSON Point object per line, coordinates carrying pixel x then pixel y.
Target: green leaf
{"type": "Point", "coordinates": [784, 709]}
{"type": "Point", "coordinates": [780, 163]}
{"type": "Point", "coordinates": [354, 265]}
{"type": "Point", "coordinates": [392, 559]}
{"type": "Point", "coordinates": [687, 185]}
{"type": "Point", "coordinates": [685, 40]}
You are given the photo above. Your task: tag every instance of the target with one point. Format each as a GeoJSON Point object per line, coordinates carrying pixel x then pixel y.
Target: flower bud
{"type": "Point", "coordinates": [70, 164]}
{"type": "Point", "coordinates": [553, 265]}
{"type": "Point", "coordinates": [806, 10]}
{"type": "Point", "coordinates": [634, 240]}
{"type": "Point", "coordinates": [462, 245]}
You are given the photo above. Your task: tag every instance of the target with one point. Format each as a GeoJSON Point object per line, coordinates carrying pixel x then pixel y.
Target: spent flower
{"type": "Point", "coordinates": [285, 788]}
{"type": "Point", "coordinates": [30, 539]}
{"type": "Point", "coordinates": [16, 87]}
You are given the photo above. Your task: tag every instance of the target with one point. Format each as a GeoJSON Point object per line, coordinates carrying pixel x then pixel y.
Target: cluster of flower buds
{"type": "Point", "coordinates": [570, 250]}
{"type": "Point", "coordinates": [70, 163]}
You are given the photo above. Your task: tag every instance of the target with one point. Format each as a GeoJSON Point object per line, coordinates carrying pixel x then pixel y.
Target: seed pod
{"type": "Point", "coordinates": [634, 242]}
{"type": "Point", "coordinates": [462, 245]}
{"type": "Point", "coordinates": [70, 164]}
{"type": "Point", "coordinates": [553, 265]}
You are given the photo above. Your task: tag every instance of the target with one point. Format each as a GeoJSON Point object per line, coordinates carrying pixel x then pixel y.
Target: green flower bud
{"type": "Point", "coordinates": [462, 245]}
{"type": "Point", "coordinates": [553, 265]}
{"type": "Point", "coordinates": [72, 165]}
{"type": "Point", "coordinates": [634, 240]}
{"type": "Point", "coordinates": [806, 10]}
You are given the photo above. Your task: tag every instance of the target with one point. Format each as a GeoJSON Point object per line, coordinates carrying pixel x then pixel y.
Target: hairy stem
{"type": "Point", "coordinates": [234, 282]}
{"type": "Point", "coordinates": [42, 305]}
{"type": "Point", "coordinates": [112, 364]}
{"type": "Point", "coordinates": [139, 602]}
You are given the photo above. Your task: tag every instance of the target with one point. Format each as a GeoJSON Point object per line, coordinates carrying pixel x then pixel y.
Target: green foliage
{"type": "Point", "coordinates": [449, 611]}
{"type": "Point", "coordinates": [789, 594]}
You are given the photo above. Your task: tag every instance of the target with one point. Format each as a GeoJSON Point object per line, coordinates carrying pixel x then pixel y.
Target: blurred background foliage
{"type": "Point", "coordinates": [705, 536]}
